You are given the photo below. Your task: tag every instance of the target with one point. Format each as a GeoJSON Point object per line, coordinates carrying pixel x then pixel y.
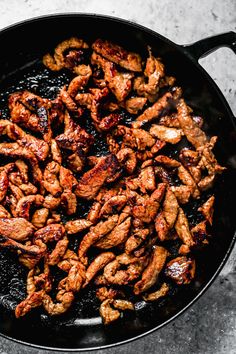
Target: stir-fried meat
{"type": "Point", "coordinates": [161, 105]}
{"type": "Point", "coordinates": [75, 226]}
{"type": "Point", "coordinates": [135, 104]}
{"type": "Point", "coordinates": [169, 135]}
{"type": "Point", "coordinates": [135, 240]}
{"type": "Point", "coordinates": [53, 232]}
{"type": "Point", "coordinates": [97, 265]}
{"type": "Point", "coordinates": [116, 237]}
{"type": "Point", "coordinates": [122, 207]}
{"type": "Point", "coordinates": [57, 61]}
{"type": "Point", "coordinates": [118, 55]}
{"type": "Point", "coordinates": [55, 151]}
{"type": "Point", "coordinates": [200, 234]}
{"type": "Point", "coordinates": [33, 300]}
{"type": "Point", "coordinates": [181, 270]}
{"type": "Point", "coordinates": [115, 273]}
{"type": "Point", "coordinates": [107, 313]}
{"type": "Point", "coordinates": [163, 291]}
{"type": "Point", "coordinates": [193, 133]}
{"type": "Point", "coordinates": [24, 205]}
{"type": "Point", "coordinates": [207, 209]}
{"type": "Point", "coordinates": [90, 183]}
{"type": "Point", "coordinates": [39, 217]}
{"type": "Point", "coordinates": [152, 271]}
{"type": "Point", "coordinates": [96, 233]}
{"type": "Point", "coordinates": [17, 229]}
{"type": "Point", "coordinates": [4, 213]}
{"type": "Point", "coordinates": [182, 229]}
{"type": "Point", "coordinates": [154, 71]}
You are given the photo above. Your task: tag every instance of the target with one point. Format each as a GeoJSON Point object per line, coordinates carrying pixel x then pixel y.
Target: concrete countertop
{"type": "Point", "coordinates": [209, 326]}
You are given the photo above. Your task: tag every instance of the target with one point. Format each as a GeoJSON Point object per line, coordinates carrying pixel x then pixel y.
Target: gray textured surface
{"type": "Point", "coordinates": [210, 325]}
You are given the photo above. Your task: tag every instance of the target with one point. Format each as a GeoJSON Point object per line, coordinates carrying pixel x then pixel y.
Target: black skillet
{"type": "Point", "coordinates": [22, 45]}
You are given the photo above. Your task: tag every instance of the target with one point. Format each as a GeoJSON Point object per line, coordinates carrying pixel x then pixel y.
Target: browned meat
{"type": "Point", "coordinates": [188, 180]}
{"type": "Point", "coordinates": [135, 240]}
{"type": "Point", "coordinates": [84, 73]}
{"type": "Point", "coordinates": [170, 208]}
{"type": "Point", "coordinates": [135, 138]}
{"type": "Point", "coordinates": [147, 179]}
{"type": "Point", "coordinates": [67, 180]}
{"type": "Point", "coordinates": [90, 183]}
{"type": "Point", "coordinates": [96, 233]}
{"type": "Point", "coordinates": [181, 270]}
{"type": "Point", "coordinates": [51, 202]}
{"type": "Point", "coordinates": [167, 161]}
{"type": "Point", "coordinates": [182, 193]}
{"type": "Point", "coordinates": [182, 229]}
{"type": "Point", "coordinates": [157, 108]}
{"type": "Point", "coordinates": [97, 265]}
{"type": "Point", "coordinates": [23, 169]}
{"type": "Point", "coordinates": [55, 151]}
{"type": "Point", "coordinates": [16, 192]}
{"type": "Point", "coordinates": [115, 273]}
{"type": "Point", "coordinates": [127, 158]}
{"type": "Point", "coordinates": [33, 300]}
{"type": "Point", "coordinates": [151, 273]}
{"type": "Point", "coordinates": [84, 99]}
{"type": "Point", "coordinates": [58, 60]}
{"type": "Point", "coordinates": [69, 202]}
{"type": "Point", "coordinates": [75, 226]}
{"type": "Point", "coordinates": [50, 176]}
{"type": "Point", "coordinates": [207, 209]}
{"type": "Point", "coordinates": [200, 234]}
{"type": "Point", "coordinates": [39, 217]}
{"type": "Point", "coordinates": [109, 122]}
{"type": "Point", "coordinates": [107, 313]}
{"type": "Point", "coordinates": [163, 291]}
{"type": "Point", "coordinates": [17, 229]}
{"type": "Point", "coordinates": [169, 135]}
{"type": "Point", "coordinates": [115, 203]}
{"type": "Point", "coordinates": [104, 293]}
{"type": "Point", "coordinates": [135, 104]}
{"type": "Point", "coordinates": [24, 205]}
{"type": "Point", "coordinates": [4, 213]}
{"type": "Point", "coordinates": [170, 121]}
{"type": "Point", "coordinates": [118, 55]}
{"type": "Point", "coordinates": [4, 182]}
{"type": "Point", "coordinates": [154, 71]}
{"type": "Point", "coordinates": [192, 131]}
{"type": "Point", "coordinates": [64, 300]}
{"type": "Point", "coordinates": [123, 304]}
{"type": "Point", "coordinates": [58, 252]}
{"type": "Point", "coordinates": [76, 161]}
{"type": "Point", "coordinates": [116, 237]}
{"type": "Point", "coordinates": [53, 232]}
{"type": "Point", "coordinates": [76, 277]}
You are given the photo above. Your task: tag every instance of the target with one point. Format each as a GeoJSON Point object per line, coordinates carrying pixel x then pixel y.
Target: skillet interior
{"type": "Point", "coordinates": [21, 47]}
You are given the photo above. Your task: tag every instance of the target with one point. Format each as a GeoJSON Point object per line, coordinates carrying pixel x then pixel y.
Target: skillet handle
{"type": "Point", "coordinates": [206, 46]}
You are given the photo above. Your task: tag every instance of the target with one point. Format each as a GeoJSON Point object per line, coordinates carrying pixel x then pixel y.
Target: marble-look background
{"type": "Point", "coordinates": [210, 325]}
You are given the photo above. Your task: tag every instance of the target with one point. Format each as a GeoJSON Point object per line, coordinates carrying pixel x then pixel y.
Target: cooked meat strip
{"type": "Point", "coordinates": [118, 55]}
{"type": "Point", "coordinates": [115, 275]}
{"type": "Point", "coordinates": [207, 209]}
{"type": "Point", "coordinates": [76, 277]}
{"type": "Point", "coordinates": [76, 161]}
{"type": "Point", "coordinates": [161, 226]}
{"type": "Point", "coordinates": [107, 313]}
{"type": "Point", "coordinates": [135, 104]}
{"type": "Point", "coordinates": [67, 179]}
{"type": "Point", "coordinates": [161, 105]}
{"type": "Point", "coordinates": [50, 178]}
{"type": "Point", "coordinates": [135, 240]}
{"type": "Point", "coordinates": [57, 61]}
{"type": "Point", "coordinates": [167, 161]}
{"type": "Point", "coordinates": [182, 229]}
{"type": "Point", "coordinates": [109, 122]}
{"type": "Point", "coordinates": [200, 234]}
{"type": "Point", "coordinates": [24, 205]}
{"type": "Point", "coordinates": [55, 151]}
{"type": "Point", "coordinates": [188, 180]}
{"type": "Point", "coordinates": [135, 138]}
{"type": "Point", "coordinates": [182, 193]}
{"type": "Point", "coordinates": [104, 293]}
{"type": "Point", "coordinates": [90, 183]}
{"type": "Point", "coordinates": [23, 169]}
{"type": "Point", "coordinates": [154, 71]}
{"type": "Point", "coordinates": [152, 271]}
{"type": "Point", "coordinates": [147, 179]}
{"type": "Point", "coordinates": [170, 121]}
{"type": "Point", "coordinates": [53, 232]}
{"type": "Point", "coordinates": [96, 233]}
{"type": "Point", "coordinates": [33, 300]}
{"type": "Point", "coordinates": [115, 203]}
{"type": "Point", "coordinates": [116, 237]}
{"type": "Point", "coordinates": [55, 256]}
{"type": "Point", "coordinates": [193, 133]}
{"type": "Point", "coordinates": [4, 213]}
{"type": "Point", "coordinates": [163, 291]}
{"type": "Point", "coordinates": [16, 192]}
{"type": "Point", "coordinates": [51, 202]}
{"type": "Point", "coordinates": [170, 208]}
{"type": "Point", "coordinates": [17, 229]}
{"type": "Point", "coordinates": [4, 182]}
{"type": "Point", "coordinates": [75, 226]}
{"type": "Point", "coordinates": [39, 217]}
{"type": "Point", "coordinates": [84, 73]}
{"type": "Point", "coordinates": [122, 305]}
{"type": "Point", "coordinates": [98, 264]}
{"type": "Point", "coordinates": [169, 135]}
{"type": "Point", "coordinates": [181, 270]}
{"type": "Point", "coordinates": [69, 202]}
{"type": "Point", "coordinates": [127, 157]}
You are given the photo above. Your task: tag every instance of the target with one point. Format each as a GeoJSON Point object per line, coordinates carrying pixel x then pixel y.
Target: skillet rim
{"type": "Point", "coordinates": [184, 50]}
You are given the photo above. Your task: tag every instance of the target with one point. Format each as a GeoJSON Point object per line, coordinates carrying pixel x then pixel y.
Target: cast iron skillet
{"type": "Point", "coordinates": [22, 45]}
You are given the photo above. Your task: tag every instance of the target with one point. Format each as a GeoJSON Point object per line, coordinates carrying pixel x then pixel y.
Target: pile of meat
{"type": "Point", "coordinates": [159, 162]}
